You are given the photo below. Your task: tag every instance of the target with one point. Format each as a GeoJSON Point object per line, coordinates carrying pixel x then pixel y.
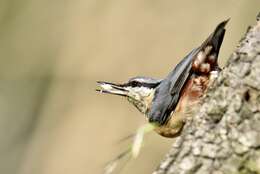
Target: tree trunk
{"type": "Point", "coordinates": [223, 137]}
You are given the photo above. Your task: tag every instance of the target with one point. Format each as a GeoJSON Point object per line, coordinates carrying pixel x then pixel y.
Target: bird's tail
{"type": "Point", "coordinates": [216, 38]}
{"type": "Point", "coordinates": [206, 59]}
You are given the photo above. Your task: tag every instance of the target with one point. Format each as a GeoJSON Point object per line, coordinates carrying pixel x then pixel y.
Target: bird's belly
{"type": "Point", "coordinates": [173, 127]}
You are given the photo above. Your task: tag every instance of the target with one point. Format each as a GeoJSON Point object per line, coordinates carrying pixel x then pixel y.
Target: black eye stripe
{"type": "Point", "coordinates": [134, 84]}
{"type": "Point", "coordinates": [139, 84]}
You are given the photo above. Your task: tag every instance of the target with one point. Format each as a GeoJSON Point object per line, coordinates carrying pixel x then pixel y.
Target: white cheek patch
{"type": "Point", "coordinates": [139, 92]}
{"type": "Point", "coordinates": [143, 91]}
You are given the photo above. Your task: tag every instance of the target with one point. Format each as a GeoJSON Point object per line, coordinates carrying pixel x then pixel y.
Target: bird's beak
{"type": "Point", "coordinates": [112, 88]}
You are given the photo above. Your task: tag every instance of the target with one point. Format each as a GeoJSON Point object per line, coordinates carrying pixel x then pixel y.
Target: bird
{"type": "Point", "coordinates": [166, 102]}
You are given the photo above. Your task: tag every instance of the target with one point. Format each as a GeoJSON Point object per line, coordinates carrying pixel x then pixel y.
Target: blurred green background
{"type": "Point", "coordinates": [52, 52]}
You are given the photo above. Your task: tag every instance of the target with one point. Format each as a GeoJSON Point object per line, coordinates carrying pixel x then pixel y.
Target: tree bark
{"type": "Point", "coordinates": [223, 137]}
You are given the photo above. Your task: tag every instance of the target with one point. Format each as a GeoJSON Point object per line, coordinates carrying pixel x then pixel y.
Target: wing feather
{"type": "Point", "coordinates": [167, 94]}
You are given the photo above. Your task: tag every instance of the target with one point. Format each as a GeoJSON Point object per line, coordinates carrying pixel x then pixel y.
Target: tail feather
{"type": "Point", "coordinates": [217, 36]}
{"type": "Point", "coordinates": [207, 58]}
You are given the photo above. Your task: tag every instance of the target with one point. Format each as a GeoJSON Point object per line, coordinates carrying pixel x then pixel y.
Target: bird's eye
{"type": "Point", "coordinates": [134, 83]}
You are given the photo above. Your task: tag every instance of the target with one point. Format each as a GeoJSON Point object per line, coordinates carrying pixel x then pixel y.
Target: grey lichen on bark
{"type": "Point", "coordinates": [223, 137]}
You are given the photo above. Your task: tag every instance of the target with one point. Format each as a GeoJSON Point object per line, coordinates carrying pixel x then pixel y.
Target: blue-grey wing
{"type": "Point", "coordinates": [168, 92]}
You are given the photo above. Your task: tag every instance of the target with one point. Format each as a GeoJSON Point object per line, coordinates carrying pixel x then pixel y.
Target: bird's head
{"type": "Point", "coordinates": [138, 90]}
